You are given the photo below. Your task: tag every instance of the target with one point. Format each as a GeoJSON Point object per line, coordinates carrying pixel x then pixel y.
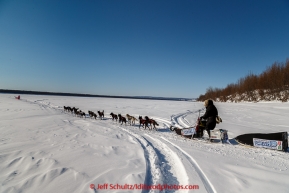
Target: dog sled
{"type": "Point", "coordinates": [191, 132]}
{"type": "Point", "coordinates": [197, 132]}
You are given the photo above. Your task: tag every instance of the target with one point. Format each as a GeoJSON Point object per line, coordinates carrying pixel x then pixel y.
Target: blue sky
{"type": "Point", "coordinates": [138, 48]}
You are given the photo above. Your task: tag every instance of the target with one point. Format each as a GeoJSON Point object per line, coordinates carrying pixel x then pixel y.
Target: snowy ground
{"type": "Point", "coordinates": [43, 149]}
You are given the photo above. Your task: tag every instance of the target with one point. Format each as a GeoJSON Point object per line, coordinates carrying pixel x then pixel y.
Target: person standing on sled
{"type": "Point", "coordinates": [210, 115]}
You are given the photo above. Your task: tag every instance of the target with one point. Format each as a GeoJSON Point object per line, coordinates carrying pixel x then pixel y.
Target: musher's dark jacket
{"type": "Point", "coordinates": [210, 115]}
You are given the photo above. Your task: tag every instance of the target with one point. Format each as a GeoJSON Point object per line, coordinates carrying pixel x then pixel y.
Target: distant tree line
{"type": "Point", "coordinates": [272, 84]}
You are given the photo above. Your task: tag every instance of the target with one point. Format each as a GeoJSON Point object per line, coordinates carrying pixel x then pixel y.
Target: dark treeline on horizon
{"type": "Point", "coordinates": [19, 92]}
{"type": "Point", "coordinates": [272, 81]}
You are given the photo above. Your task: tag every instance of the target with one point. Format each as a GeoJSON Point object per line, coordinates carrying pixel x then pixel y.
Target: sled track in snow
{"type": "Point", "coordinates": [169, 160]}
{"type": "Point", "coordinates": [159, 158]}
{"type": "Point", "coordinates": [181, 121]}
{"type": "Point", "coordinates": [208, 185]}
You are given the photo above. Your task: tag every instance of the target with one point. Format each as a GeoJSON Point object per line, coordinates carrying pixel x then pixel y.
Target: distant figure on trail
{"type": "Point", "coordinates": [17, 97]}
{"type": "Point", "coordinates": [210, 116]}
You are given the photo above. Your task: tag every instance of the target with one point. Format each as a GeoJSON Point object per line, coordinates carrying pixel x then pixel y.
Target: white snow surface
{"type": "Point", "coordinates": [44, 149]}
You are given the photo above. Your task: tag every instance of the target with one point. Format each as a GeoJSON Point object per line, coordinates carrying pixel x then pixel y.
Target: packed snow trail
{"type": "Point", "coordinates": [209, 187]}
{"type": "Point", "coordinates": [159, 158]}
{"type": "Point", "coordinates": [167, 159]}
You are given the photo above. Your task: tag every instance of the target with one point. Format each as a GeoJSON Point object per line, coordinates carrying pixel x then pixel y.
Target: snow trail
{"type": "Point", "coordinates": [208, 185]}
{"type": "Point", "coordinates": [153, 173]}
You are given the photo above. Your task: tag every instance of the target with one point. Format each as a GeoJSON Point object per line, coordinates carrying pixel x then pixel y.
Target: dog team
{"type": "Point", "coordinates": [145, 123]}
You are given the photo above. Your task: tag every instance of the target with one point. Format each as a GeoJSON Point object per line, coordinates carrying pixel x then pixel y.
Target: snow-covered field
{"type": "Point", "coordinates": [44, 149]}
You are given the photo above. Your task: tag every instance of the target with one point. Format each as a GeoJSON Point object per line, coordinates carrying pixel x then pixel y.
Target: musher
{"type": "Point", "coordinates": [210, 115]}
